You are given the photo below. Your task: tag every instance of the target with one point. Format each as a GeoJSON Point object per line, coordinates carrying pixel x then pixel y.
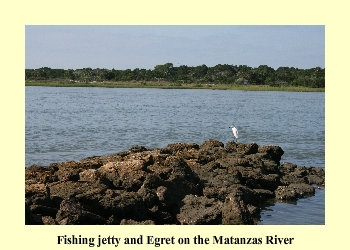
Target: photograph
{"type": "Point", "coordinates": [175, 125]}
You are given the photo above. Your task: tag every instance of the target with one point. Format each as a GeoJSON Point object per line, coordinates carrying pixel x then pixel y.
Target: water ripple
{"type": "Point", "coordinates": [65, 124]}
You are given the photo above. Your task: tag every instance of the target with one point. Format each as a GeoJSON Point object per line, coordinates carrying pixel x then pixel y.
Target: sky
{"type": "Point", "coordinates": [145, 46]}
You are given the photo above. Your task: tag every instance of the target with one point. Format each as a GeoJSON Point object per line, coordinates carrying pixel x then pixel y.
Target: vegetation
{"type": "Point", "coordinates": [166, 85]}
{"type": "Point", "coordinates": [167, 76]}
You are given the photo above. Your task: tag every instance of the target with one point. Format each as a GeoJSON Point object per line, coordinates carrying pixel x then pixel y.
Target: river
{"type": "Point", "coordinates": [63, 124]}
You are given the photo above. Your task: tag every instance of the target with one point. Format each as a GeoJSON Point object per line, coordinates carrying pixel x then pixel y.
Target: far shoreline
{"type": "Point", "coordinates": [169, 85]}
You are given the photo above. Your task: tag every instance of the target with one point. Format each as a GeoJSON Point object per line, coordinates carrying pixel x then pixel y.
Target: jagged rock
{"type": "Point", "coordinates": [200, 210]}
{"type": "Point", "coordinates": [235, 211]}
{"type": "Point", "coordinates": [294, 191]}
{"type": "Point", "coordinates": [71, 213]}
{"type": "Point", "coordinates": [272, 152]}
{"type": "Point", "coordinates": [47, 220]}
{"type": "Point", "coordinates": [182, 183]}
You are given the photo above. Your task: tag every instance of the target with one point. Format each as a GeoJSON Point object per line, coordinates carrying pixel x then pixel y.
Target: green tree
{"type": "Point", "coordinates": [163, 72]}
{"type": "Point", "coordinates": [221, 73]}
{"type": "Point", "coordinates": [69, 74]}
{"type": "Point", "coordinates": [87, 74]}
{"type": "Point", "coordinates": [182, 74]}
{"type": "Point", "coordinates": [200, 72]}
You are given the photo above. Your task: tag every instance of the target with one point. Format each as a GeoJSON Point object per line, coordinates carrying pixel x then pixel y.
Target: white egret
{"type": "Point", "coordinates": [234, 131]}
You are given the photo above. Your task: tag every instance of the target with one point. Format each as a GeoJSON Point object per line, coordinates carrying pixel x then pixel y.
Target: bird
{"type": "Point", "coordinates": [234, 131]}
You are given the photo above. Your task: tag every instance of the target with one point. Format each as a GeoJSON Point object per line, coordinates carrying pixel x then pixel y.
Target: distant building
{"type": "Point", "coordinates": [245, 82]}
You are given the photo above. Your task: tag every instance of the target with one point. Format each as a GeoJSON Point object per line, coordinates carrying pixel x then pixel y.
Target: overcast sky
{"type": "Point", "coordinates": [141, 46]}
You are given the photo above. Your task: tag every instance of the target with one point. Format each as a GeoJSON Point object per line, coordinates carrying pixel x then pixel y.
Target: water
{"type": "Point", "coordinates": [73, 123]}
{"type": "Point", "coordinates": [307, 211]}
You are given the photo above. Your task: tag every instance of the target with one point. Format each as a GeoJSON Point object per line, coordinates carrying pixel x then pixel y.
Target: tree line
{"type": "Point", "coordinates": [219, 74]}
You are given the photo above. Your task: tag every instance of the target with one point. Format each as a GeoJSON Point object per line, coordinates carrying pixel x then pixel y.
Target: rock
{"type": "Point", "coordinates": [40, 175]}
{"type": "Point", "coordinates": [294, 191]}
{"type": "Point", "coordinates": [288, 167]}
{"type": "Point", "coordinates": [211, 145]}
{"type": "Point", "coordinates": [264, 194]}
{"type": "Point", "coordinates": [72, 213]}
{"type": "Point", "coordinates": [272, 152]}
{"type": "Point", "coordinates": [29, 220]}
{"type": "Point", "coordinates": [138, 149]}
{"type": "Point", "coordinates": [126, 175]}
{"type": "Point", "coordinates": [235, 211]}
{"type": "Point", "coordinates": [314, 179]}
{"type": "Point", "coordinates": [183, 183]}
{"type": "Point", "coordinates": [132, 222]}
{"type": "Point", "coordinates": [47, 220]}
{"type": "Point", "coordinates": [200, 210]}
{"type": "Point", "coordinates": [44, 210]}
{"type": "Point", "coordinates": [180, 147]}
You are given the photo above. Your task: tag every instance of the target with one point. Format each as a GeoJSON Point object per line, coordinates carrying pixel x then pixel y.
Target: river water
{"type": "Point", "coordinates": [65, 124]}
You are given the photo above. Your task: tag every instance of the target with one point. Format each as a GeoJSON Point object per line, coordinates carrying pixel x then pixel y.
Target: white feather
{"type": "Point", "coordinates": [234, 131]}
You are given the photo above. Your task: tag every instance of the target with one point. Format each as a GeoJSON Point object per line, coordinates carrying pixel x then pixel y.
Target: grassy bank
{"type": "Point", "coordinates": [167, 85]}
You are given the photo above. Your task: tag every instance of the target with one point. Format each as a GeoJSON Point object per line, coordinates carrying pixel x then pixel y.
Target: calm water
{"type": "Point", "coordinates": [73, 123]}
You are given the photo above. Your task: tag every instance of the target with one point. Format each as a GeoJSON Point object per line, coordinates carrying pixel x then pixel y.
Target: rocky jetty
{"type": "Point", "coordinates": [183, 183]}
